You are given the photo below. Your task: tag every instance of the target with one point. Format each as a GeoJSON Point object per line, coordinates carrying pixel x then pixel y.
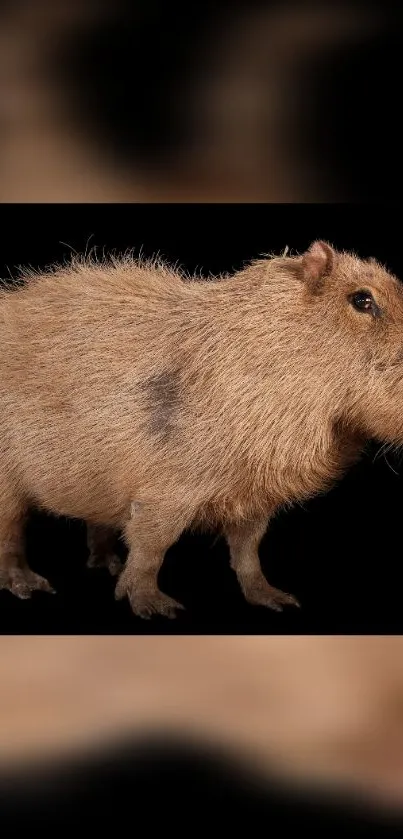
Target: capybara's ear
{"type": "Point", "coordinates": [317, 263]}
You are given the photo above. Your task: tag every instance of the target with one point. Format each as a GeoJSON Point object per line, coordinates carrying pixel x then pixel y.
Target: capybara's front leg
{"type": "Point", "coordinates": [15, 574]}
{"type": "Point", "coordinates": [149, 533]}
{"type": "Point", "coordinates": [243, 541]}
{"type": "Point", "coordinates": [101, 543]}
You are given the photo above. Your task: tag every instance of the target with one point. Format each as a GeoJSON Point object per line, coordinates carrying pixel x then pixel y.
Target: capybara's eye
{"type": "Point", "coordinates": [363, 301]}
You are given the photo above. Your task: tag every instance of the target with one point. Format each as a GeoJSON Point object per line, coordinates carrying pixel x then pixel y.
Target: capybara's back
{"type": "Point", "coordinates": [144, 401]}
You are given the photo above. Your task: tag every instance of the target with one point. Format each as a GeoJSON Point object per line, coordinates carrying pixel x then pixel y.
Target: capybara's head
{"type": "Point", "coordinates": [358, 306]}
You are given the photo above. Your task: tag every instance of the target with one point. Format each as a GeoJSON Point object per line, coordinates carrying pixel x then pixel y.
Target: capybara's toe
{"type": "Point", "coordinates": [271, 597]}
{"type": "Point", "coordinates": [22, 582]}
{"type": "Point", "coordinates": [146, 603]}
{"type": "Point", "coordinates": [111, 562]}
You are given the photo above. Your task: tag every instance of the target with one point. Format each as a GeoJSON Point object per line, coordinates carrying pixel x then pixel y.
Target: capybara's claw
{"type": "Point", "coordinates": [271, 597]}
{"type": "Point", "coordinates": [22, 582]}
{"type": "Point", "coordinates": [159, 604]}
{"type": "Point", "coordinates": [146, 603]}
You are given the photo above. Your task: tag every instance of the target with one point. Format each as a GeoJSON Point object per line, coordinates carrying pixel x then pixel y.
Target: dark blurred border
{"type": "Point", "coordinates": [159, 101]}
{"type": "Point", "coordinates": [168, 784]}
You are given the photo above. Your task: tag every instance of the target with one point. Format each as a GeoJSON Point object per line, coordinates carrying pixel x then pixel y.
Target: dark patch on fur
{"type": "Point", "coordinates": [381, 366]}
{"type": "Point", "coordinates": [397, 361]}
{"type": "Point", "coordinates": [163, 399]}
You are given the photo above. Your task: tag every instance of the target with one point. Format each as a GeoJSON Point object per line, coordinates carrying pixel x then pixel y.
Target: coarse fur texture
{"type": "Point", "coordinates": [140, 399]}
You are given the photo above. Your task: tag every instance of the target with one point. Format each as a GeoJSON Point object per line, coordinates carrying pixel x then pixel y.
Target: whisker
{"type": "Point", "coordinates": [391, 467]}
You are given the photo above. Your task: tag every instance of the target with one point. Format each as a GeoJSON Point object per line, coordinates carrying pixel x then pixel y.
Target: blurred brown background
{"type": "Point", "coordinates": [156, 101]}
{"type": "Point", "coordinates": [327, 709]}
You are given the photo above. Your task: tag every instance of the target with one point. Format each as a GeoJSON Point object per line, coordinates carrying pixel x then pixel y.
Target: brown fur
{"type": "Point", "coordinates": [139, 399]}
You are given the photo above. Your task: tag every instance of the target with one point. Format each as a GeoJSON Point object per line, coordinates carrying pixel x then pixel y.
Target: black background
{"type": "Point", "coordinates": [340, 555]}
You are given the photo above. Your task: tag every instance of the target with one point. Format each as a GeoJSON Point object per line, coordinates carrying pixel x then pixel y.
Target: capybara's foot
{"type": "Point", "coordinates": [146, 602]}
{"type": "Point", "coordinates": [266, 595]}
{"type": "Point", "coordinates": [110, 561]}
{"type": "Point", "coordinates": [22, 582]}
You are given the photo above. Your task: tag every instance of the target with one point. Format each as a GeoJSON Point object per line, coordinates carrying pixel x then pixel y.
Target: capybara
{"type": "Point", "coordinates": [142, 400]}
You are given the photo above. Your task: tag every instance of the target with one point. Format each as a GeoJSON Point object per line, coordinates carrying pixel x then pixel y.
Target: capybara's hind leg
{"type": "Point", "coordinates": [15, 574]}
{"type": "Point", "coordinates": [101, 543]}
{"type": "Point", "coordinates": [243, 541]}
{"type": "Point", "coordinates": [149, 534]}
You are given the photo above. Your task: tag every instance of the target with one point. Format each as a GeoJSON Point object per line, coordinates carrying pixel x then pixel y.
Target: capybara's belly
{"type": "Point", "coordinates": [69, 489]}
{"type": "Point", "coordinates": [58, 469]}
